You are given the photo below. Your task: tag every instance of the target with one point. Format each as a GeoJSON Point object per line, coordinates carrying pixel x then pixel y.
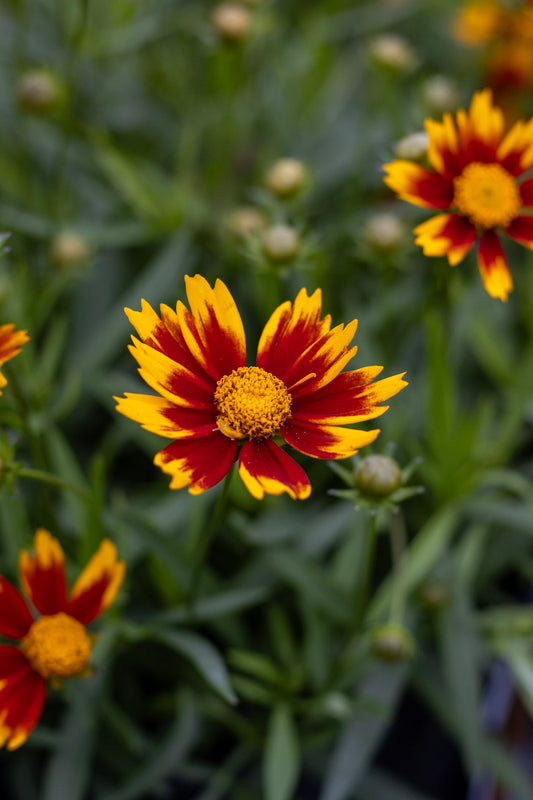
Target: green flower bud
{"type": "Point", "coordinates": [232, 22]}
{"type": "Point", "coordinates": [40, 92]}
{"type": "Point", "coordinates": [384, 231]}
{"type": "Point", "coordinates": [378, 476]}
{"type": "Point", "coordinates": [246, 220]}
{"type": "Point", "coordinates": [280, 243]}
{"type": "Point", "coordinates": [393, 52]}
{"type": "Point", "coordinates": [392, 643]}
{"type": "Point", "coordinates": [69, 250]}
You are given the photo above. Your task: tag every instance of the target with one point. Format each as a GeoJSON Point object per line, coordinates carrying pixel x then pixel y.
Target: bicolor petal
{"type": "Point", "coordinates": [42, 576]}
{"type": "Point", "coordinates": [266, 469]}
{"type": "Point", "coordinates": [198, 463]}
{"type": "Point", "coordinates": [521, 230]}
{"type": "Point", "coordinates": [15, 616]}
{"type": "Point", "coordinates": [418, 185]}
{"type": "Point", "coordinates": [158, 415]}
{"type": "Point", "coordinates": [326, 441]}
{"type": "Point", "coordinates": [22, 695]}
{"type": "Point", "coordinates": [493, 266]}
{"type": "Point", "coordinates": [98, 585]}
{"type": "Point", "coordinates": [446, 235]}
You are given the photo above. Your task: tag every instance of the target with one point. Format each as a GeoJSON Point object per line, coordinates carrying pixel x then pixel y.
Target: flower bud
{"type": "Point", "coordinates": [393, 52]}
{"type": "Point", "coordinates": [412, 147]}
{"type": "Point", "coordinates": [231, 21]}
{"type": "Point", "coordinates": [384, 231]}
{"type": "Point", "coordinates": [39, 92]}
{"type": "Point", "coordinates": [378, 476]}
{"type": "Point", "coordinates": [434, 594]}
{"type": "Point", "coordinates": [280, 243]}
{"type": "Point", "coordinates": [440, 93]}
{"type": "Point", "coordinates": [69, 250]}
{"type": "Point", "coordinates": [286, 177]}
{"type": "Point", "coordinates": [392, 643]}
{"type": "Point", "coordinates": [246, 220]}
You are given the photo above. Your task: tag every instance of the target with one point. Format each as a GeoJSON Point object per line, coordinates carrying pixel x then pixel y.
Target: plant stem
{"type": "Point", "coordinates": [47, 477]}
{"type": "Point", "coordinates": [398, 544]}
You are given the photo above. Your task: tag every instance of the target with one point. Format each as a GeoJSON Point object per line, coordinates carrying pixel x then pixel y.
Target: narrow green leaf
{"type": "Point", "coordinates": [281, 763]}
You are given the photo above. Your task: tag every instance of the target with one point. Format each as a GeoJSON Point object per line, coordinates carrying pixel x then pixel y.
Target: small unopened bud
{"type": "Point", "coordinates": [434, 594]}
{"type": "Point", "coordinates": [378, 476]}
{"type": "Point", "coordinates": [280, 243]}
{"type": "Point", "coordinates": [245, 221]}
{"type": "Point", "coordinates": [69, 250]}
{"type": "Point", "coordinates": [392, 643]}
{"type": "Point", "coordinates": [440, 93]}
{"type": "Point", "coordinates": [39, 92]}
{"type": "Point", "coordinates": [286, 177]}
{"type": "Point", "coordinates": [394, 52]}
{"type": "Point", "coordinates": [231, 21]}
{"type": "Point", "coordinates": [412, 147]}
{"type": "Point", "coordinates": [384, 231]}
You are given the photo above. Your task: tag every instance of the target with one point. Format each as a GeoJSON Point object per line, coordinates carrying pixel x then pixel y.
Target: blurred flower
{"type": "Point", "coordinates": [286, 177]}
{"type": "Point", "coordinates": [440, 93]}
{"type": "Point", "coordinates": [69, 250]}
{"type": "Point", "coordinates": [384, 231]}
{"type": "Point", "coordinates": [55, 645]}
{"type": "Point", "coordinates": [246, 220]}
{"type": "Point", "coordinates": [413, 146]}
{"type": "Point", "coordinates": [211, 402]}
{"type": "Point", "coordinates": [280, 243]}
{"type": "Point", "coordinates": [474, 177]}
{"type": "Point", "coordinates": [231, 21]}
{"type": "Point", "coordinates": [393, 51]}
{"type": "Point", "coordinates": [477, 22]}
{"type": "Point", "coordinates": [40, 91]}
{"type": "Point", "coordinates": [10, 343]}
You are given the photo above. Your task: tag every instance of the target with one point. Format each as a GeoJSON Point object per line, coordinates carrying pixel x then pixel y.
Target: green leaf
{"type": "Point", "coordinates": [281, 762]}
{"type": "Point", "coordinates": [205, 658]}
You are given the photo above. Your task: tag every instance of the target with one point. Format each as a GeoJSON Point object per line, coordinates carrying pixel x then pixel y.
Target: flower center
{"type": "Point", "coordinates": [251, 402]}
{"type": "Point", "coordinates": [487, 194]}
{"type": "Point", "coordinates": [57, 646]}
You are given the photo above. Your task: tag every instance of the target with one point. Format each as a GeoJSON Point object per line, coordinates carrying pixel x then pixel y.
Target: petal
{"type": "Point", "coordinates": [325, 441]}
{"type": "Point", "coordinates": [98, 584]}
{"type": "Point", "coordinates": [290, 331]}
{"type": "Point", "coordinates": [446, 234]}
{"type": "Point", "coordinates": [515, 153]}
{"type": "Point", "coordinates": [493, 266]}
{"type": "Point", "coordinates": [159, 416]}
{"type": "Point", "coordinates": [198, 463]}
{"type": "Point", "coordinates": [350, 397]}
{"type": "Point", "coordinates": [22, 695]}
{"type": "Point", "coordinates": [521, 230]}
{"type": "Point", "coordinates": [443, 146]}
{"type": "Point", "coordinates": [480, 129]}
{"type": "Point", "coordinates": [170, 378]}
{"type": "Point", "coordinates": [266, 469]}
{"type": "Point", "coordinates": [418, 185]}
{"type": "Point", "coordinates": [526, 192]}
{"type": "Point", "coordinates": [213, 328]}
{"type": "Point", "coordinates": [322, 361]}
{"type": "Point", "coordinates": [42, 576]}
{"type": "Point", "coordinates": [10, 342]}
{"type": "Point", "coordinates": [15, 616]}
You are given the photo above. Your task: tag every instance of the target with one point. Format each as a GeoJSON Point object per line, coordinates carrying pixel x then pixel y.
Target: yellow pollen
{"type": "Point", "coordinates": [251, 402]}
{"type": "Point", "coordinates": [487, 194]}
{"type": "Point", "coordinates": [57, 646]}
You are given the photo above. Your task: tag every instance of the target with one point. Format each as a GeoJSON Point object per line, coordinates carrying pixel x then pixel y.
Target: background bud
{"type": "Point", "coordinates": [392, 643]}
{"type": "Point", "coordinates": [39, 92]}
{"type": "Point", "coordinates": [286, 177]}
{"type": "Point", "coordinates": [412, 147]}
{"type": "Point", "coordinates": [440, 93]}
{"type": "Point", "coordinates": [378, 476]}
{"type": "Point", "coordinates": [395, 52]}
{"type": "Point", "coordinates": [69, 250]}
{"type": "Point", "coordinates": [231, 21]}
{"type": "Point", "coordinates": [246, 220]}
{"type": "Point", "coordinates": [280, 243]}
{"type": "Point", "coordinates": [384, 231]}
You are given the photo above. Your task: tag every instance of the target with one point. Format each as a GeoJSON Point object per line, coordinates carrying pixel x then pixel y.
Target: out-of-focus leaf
{"type": "Point", "coordinates": [520, 659]}
{"type": "Point", "coordinates": [362, 734]}
{"type": "Point", "coordinates": [205, 658]}
{"type": "Point", "coordinates": [281, 762]}
{"type": "Point", "coordinates": [378, 785]}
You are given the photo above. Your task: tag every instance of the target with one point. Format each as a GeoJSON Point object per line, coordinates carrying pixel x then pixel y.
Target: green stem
{"type": "Point", "coordinates": [46, 477]}
{"type": "Point", "coordinates": [204, 541]}
{"type": "Point", "coordinates": [398, 544]}
{"type": "Point", "coordinates": [362, 595]}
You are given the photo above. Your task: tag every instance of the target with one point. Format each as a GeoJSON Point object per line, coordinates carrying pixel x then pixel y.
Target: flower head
{"type": "Point", "coordinates": [211, 403]}
{"type": "Point", "coordinates": [54, 644]}
{"type": "Point", "coordinates": [476, 177]}
{"type": "Point", "coordinates": [10, 343]}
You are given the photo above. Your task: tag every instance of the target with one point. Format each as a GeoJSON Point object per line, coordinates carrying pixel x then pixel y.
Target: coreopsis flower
{"type": "Point", "coordinates": [477, 178]}
{"type": "Point", "coordinates": [211, 403]}
{"type": "Point", "coordinates": [53, 644]}
{"type": "Point", "coordinates": [10, 343]}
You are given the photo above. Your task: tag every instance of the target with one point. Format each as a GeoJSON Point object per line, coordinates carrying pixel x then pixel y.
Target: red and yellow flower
{"type": "Point", "coordinates": [210, 402]}
{"type": "Point", "coordinates": [477, 178]}
{"type": "Point", "coordinates": [10, 343]}
{"type": "Point", "coordinates": [54, 643]}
